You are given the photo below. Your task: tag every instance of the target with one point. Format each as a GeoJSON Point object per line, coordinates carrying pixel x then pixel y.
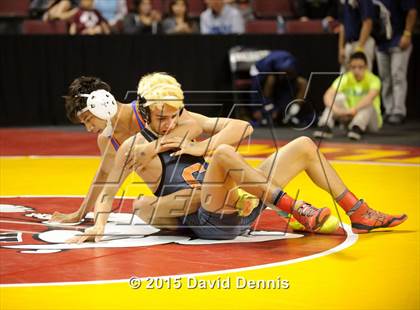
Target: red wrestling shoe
{"type": "Point", "coordinates": [364, 219]}
{"type": "Point", "coordinates": [310, 217]}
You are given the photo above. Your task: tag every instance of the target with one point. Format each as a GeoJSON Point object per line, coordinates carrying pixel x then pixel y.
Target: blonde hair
{"type": "Point", "coordinates": [164, 93]}
{"type": "Point", "coordinates": [152, 79]}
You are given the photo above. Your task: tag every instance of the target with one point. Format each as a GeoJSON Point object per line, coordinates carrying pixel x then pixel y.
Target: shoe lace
{"type": "Point", "coordinates": [307, 210]}
{"type": "Point", "coordinates": [375, 215]}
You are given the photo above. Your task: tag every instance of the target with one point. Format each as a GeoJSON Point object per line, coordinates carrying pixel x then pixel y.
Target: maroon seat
{"type": "Point", "coordinates": [195, 7]}
{"type": "Point", "coordinates": [310, 26]}
{"type": "Point", "coordinates": [261, 26]}
{"type": "Point", "coordinates": [158, 6]}
{"type": "Point", "coordinates": [131, 7]}
{"type": "Point", "coordinates": [14, 8]}
{"type": "Point", "coordinates": [41, 27]}
{"type": "Point", "coordinates": [272, 8]}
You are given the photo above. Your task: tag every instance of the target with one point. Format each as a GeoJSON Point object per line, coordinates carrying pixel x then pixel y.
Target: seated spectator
{"type": "Point", "coordinates": [112, 10]}
{"type": "Point", "coordinates": [279, 90]}
{"type": "Point", "coordinates": [88, 21]}
{"type": "Point", "coordinates": [146, 20]}
{"type": "Point", "coordinates": [221, 18]}
{"type": "Point", "coordinates": [61, 10]}
{"type": "Point", "coordinates": [357, 101]}
{"type": "Point", "coordinates": [178, 21]}
{"type": "Point", "coordinates": [316, 9]}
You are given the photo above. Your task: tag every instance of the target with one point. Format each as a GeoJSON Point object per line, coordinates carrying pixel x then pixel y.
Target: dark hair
{"type": "Point", "coordinates": [171, 11]}
{"type": "Point", "coordinates": [138, 2]}
{"type": "Point", "coordinates": [82, 85]}
{"type": "Point", "coordinates": [358, 55]}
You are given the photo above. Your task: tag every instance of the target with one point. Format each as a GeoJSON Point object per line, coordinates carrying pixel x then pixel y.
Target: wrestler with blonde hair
{"type": "Point", "coordinates": [175, 169]}
{"type": "Point", "coordinates": [89, 101]}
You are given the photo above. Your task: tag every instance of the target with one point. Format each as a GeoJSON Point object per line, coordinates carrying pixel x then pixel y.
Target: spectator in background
{"type": "Point", "coordinates": [353, 100]}
{"type": "Point", "coordinates": [37, 8]}
{"type": "Point", "coordinates": [355, 29]}
{"type": "Point", "coordinates": [244, 6]}
{"type": "Point", "coordinates": [61, 10]}
{"type": "Point", "coordinates": [112, 10]}
{"type": "Point", "coordinates": [393, 55]}
{"type": "Point", "coordinates": [40, 5]}
{"type": "Point", "coordinates": [146, 20]}
{"type": "Point", "coordinates": [221, 18]}
{"type": "Point", "coordinates": [316, 9]}
{"type": "Point", "coordinates": [279, 90]}
{"type": "Point", "coordinates": [88, 21]}
{"type": "Point", "coordinates": [177, 20]}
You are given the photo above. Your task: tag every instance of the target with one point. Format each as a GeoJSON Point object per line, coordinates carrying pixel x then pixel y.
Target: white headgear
{"type": "Point", "coordinates": [101, 104]}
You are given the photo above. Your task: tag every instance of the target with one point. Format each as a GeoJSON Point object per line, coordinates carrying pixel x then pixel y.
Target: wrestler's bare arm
{"type": "Point", "coordinates": [119, 172]}
{"type": "Point", "coordinates": [108, 156]}
{"type": "Point", "coordinates": [221, 131]}
{"type": "Point", "coordinates": [96, 186]}
{"type": "Point", "coordinates": [103, 205]}
{"type": "Point", "coordinates": [188, 127]}
{"type": "Point", "coordinates": [116, 177]}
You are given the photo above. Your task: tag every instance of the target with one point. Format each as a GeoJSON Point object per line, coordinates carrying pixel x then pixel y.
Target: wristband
{"type": "Point", "coordinates": [407, 33]}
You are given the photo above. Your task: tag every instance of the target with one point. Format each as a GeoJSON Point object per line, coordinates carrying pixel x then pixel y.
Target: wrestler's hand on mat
{"type": "Point", "coordinates": [59, 217]}
{"type": "Point", "coordinates": [94, 233]}
{"type": "Point", "coordinates": [185, 146]}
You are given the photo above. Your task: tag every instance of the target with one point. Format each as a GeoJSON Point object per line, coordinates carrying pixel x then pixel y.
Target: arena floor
{"type": "Point", "coordinates": [42, 170]}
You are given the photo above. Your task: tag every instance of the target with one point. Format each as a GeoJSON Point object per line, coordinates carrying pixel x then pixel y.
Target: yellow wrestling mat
{"type": "Point", "coordinates": [379, 271]}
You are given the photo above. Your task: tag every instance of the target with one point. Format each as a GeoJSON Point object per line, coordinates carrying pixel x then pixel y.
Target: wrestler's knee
{"type": "Point", "coordinates": [306, 145]}
{"type": "Point", "coordinates": [224, 152]}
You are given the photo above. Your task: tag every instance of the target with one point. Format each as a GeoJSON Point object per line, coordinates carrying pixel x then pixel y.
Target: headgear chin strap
{"type": "Point", "coordinates": [144, 112]}
{"type": "Point", "coordinates": [101, 104]}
